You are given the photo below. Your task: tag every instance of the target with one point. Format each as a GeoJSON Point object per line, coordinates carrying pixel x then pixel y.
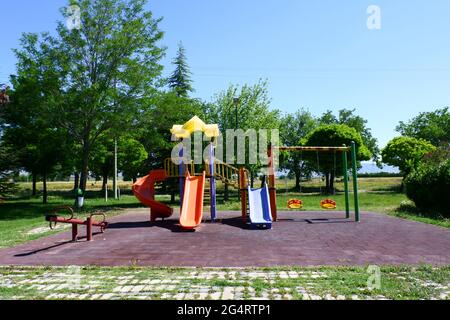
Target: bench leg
{"type": "Point", "coordinates": [89, 229]}
{"type": "Point", "coordinates": [74, 232]}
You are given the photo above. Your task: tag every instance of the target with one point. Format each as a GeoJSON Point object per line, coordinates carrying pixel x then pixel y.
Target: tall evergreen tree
{"type": "Point", "coordinates": [180, 81]}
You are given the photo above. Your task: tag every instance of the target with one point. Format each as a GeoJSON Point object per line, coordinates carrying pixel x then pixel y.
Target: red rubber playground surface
{"type": "Point", "coordinates": [302, 239]}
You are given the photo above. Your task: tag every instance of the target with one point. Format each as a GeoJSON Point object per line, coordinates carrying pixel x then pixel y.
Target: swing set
{"type": "Point", "coordinates": [328, 204]}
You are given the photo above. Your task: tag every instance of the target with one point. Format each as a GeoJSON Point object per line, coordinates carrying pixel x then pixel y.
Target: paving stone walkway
{"type": "Point", "coordinates": [189, 284]}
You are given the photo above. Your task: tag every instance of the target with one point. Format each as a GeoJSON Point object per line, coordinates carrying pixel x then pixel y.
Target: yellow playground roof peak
{"type": "Point", "coordinates": [193, 125]}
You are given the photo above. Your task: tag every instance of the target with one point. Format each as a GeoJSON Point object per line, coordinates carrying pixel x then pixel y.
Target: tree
{"type": "Point", "coordinates": [110, 69]}
{"type": "Point", "coordinates": [7, 163]}
{"type": "Point", "coordinates": [102, 160]}
{"type": "Point", "coordinates": [293, 129]}
{"type": "Point", "coordinates": [131, 157]}
{"type": "Point", "coordinates": [428, 186]}
{"type": "Point", "coordinates": [431, 126]}
{"type": "Point", "coordinates": [335, 135]}
{"type": "Point", "coordinates": [38, 150]}
{"type": "Point", "coordinates": [405, 153]}
{"type": "Point", "coordinates": [30, 131]}
{"type": "Point", "coordinates": [253, 112]}
{"type": "Point", "coordinates": [349, 118]}
{"type": "Point", "coordinates": [180, 81]}
{"type": "Point", "coordinates": [153, 128]}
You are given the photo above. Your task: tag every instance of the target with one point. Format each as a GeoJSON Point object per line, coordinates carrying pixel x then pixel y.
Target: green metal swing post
{"type": "Point", "coordinates": [345, 172]}
{"type": "Point", "coordinates": [355, 181]}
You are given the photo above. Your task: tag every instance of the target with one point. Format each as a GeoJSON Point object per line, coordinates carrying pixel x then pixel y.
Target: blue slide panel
{"type": "Point", "coordinates": [259, 206]}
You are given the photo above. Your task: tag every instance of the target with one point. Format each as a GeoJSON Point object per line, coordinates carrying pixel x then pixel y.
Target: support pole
{"type": "Point", "coordinates": [115, 179]}
{"type": "Point", "coordinates": [345, 173]}
{"type": "Point", "coordinates": [212, 181]}
{"type": "Point", "coordinates": [181, 175]}
{"type": "Point", "coordinates": [355, 182]}
{"type": "Point", "coordinates": [242, 191]}
{"type": "Point", "coordinates": [272, 189]}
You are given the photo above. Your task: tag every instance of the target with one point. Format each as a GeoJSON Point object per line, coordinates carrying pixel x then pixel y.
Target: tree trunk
{"type": "Point", "coordinates": [84, 164]}
{"type": "Point", "coordinates": [105, 182]}
{"type": "Point", "coordinates": [76, 183]}
{"type": "Point", "coordinates": [44, 194]}
{"type": "Point", "coordinates": [34, 177]}
{"type": "Point", "coordinates": [332, 190]}
{"type": "Point", "coordinates": [327, 182]}
{"type": "Point", "coordinates": [226, 193]}
{"type": "Point", "coordinates": [297, 181]}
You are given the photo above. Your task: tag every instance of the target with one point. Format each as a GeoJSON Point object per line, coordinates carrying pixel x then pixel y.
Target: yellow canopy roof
{"type": "Point", "coordinates": [195, 124]}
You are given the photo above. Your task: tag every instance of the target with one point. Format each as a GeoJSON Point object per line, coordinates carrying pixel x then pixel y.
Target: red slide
{"type": "Point", "coordinates": [144, 190]}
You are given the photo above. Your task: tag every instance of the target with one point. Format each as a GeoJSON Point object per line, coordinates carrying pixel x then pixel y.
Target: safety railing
{"type": "Point", "coordinates": [173, 170]}
{"type": "Point", "coordinates": [222, 171]}
{"type": "Point", "coordinates": [225, 173]}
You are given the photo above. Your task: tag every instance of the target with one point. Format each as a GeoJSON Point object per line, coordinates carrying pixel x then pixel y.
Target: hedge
{"type": "Point", "coordinates": [428, 186]}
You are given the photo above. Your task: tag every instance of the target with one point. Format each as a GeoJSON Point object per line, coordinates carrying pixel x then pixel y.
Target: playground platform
{"type": "Point", "coordinates": [301, 239]}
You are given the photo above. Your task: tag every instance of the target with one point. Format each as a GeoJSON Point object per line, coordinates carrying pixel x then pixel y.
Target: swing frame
{"type": "Point", "coordinates": [344, 150]}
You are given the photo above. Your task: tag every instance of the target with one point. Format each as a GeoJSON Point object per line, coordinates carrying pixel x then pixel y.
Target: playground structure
{"type": "Point", "coordinates": [53, 219]}
{"type": "Point", "coordinates": [191, 185]}
{"type": "Point", "coordinates": [258, 206]}
{"type": "Point", "coordinates": [326, 203]}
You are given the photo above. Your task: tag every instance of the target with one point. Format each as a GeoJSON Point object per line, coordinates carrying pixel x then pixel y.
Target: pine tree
{"type": "Point", "coordinates": [180, 81]}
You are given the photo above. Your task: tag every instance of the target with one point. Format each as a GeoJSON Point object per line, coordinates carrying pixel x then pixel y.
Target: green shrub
{"type": "Point", "coordinates": [429, 187]}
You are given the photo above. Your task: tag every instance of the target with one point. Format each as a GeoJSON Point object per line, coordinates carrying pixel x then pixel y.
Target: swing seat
{"type": "Point", "coordinates": [328, 204]}
{"type": "Point", "coordinates": [295, 204]}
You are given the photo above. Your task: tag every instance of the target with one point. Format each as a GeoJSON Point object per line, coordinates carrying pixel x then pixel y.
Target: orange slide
{"type": "Point", "coordinates": [144, 190]}
{"type": "Point", "coordinates": [192, 209]}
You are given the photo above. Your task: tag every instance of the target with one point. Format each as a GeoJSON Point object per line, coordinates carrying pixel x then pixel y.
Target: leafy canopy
{"type": "Point", "coordinates": [405, 152]}
{"type": "Point", "coordinates": [251, 104]}
{"type": "Point", "coordinates": [431, 126]}
{"type": "Point", "coordinates": [349, 118]}
{"type": "Point", "coordinates": [293, 129]}
{"type": "Point", "coordinates": [110, 69]}
{"type": "Point", "coordinates": [335, 135]}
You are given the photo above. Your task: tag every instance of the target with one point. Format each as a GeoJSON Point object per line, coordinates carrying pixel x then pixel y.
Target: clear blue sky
{"type": "Point", "coordinates": [315, 54]}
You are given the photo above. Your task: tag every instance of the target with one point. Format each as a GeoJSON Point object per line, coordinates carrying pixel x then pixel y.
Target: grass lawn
{"type": "Point", "coordinates": [22, 218]}
{"type": "Point", "coordinates": [399, 282]}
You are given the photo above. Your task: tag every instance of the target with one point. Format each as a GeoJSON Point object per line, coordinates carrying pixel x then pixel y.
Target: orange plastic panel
{"type": "Point", "coordinates": [144, 190]}
{"type": "Point", "coordinates": [192, 210]}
